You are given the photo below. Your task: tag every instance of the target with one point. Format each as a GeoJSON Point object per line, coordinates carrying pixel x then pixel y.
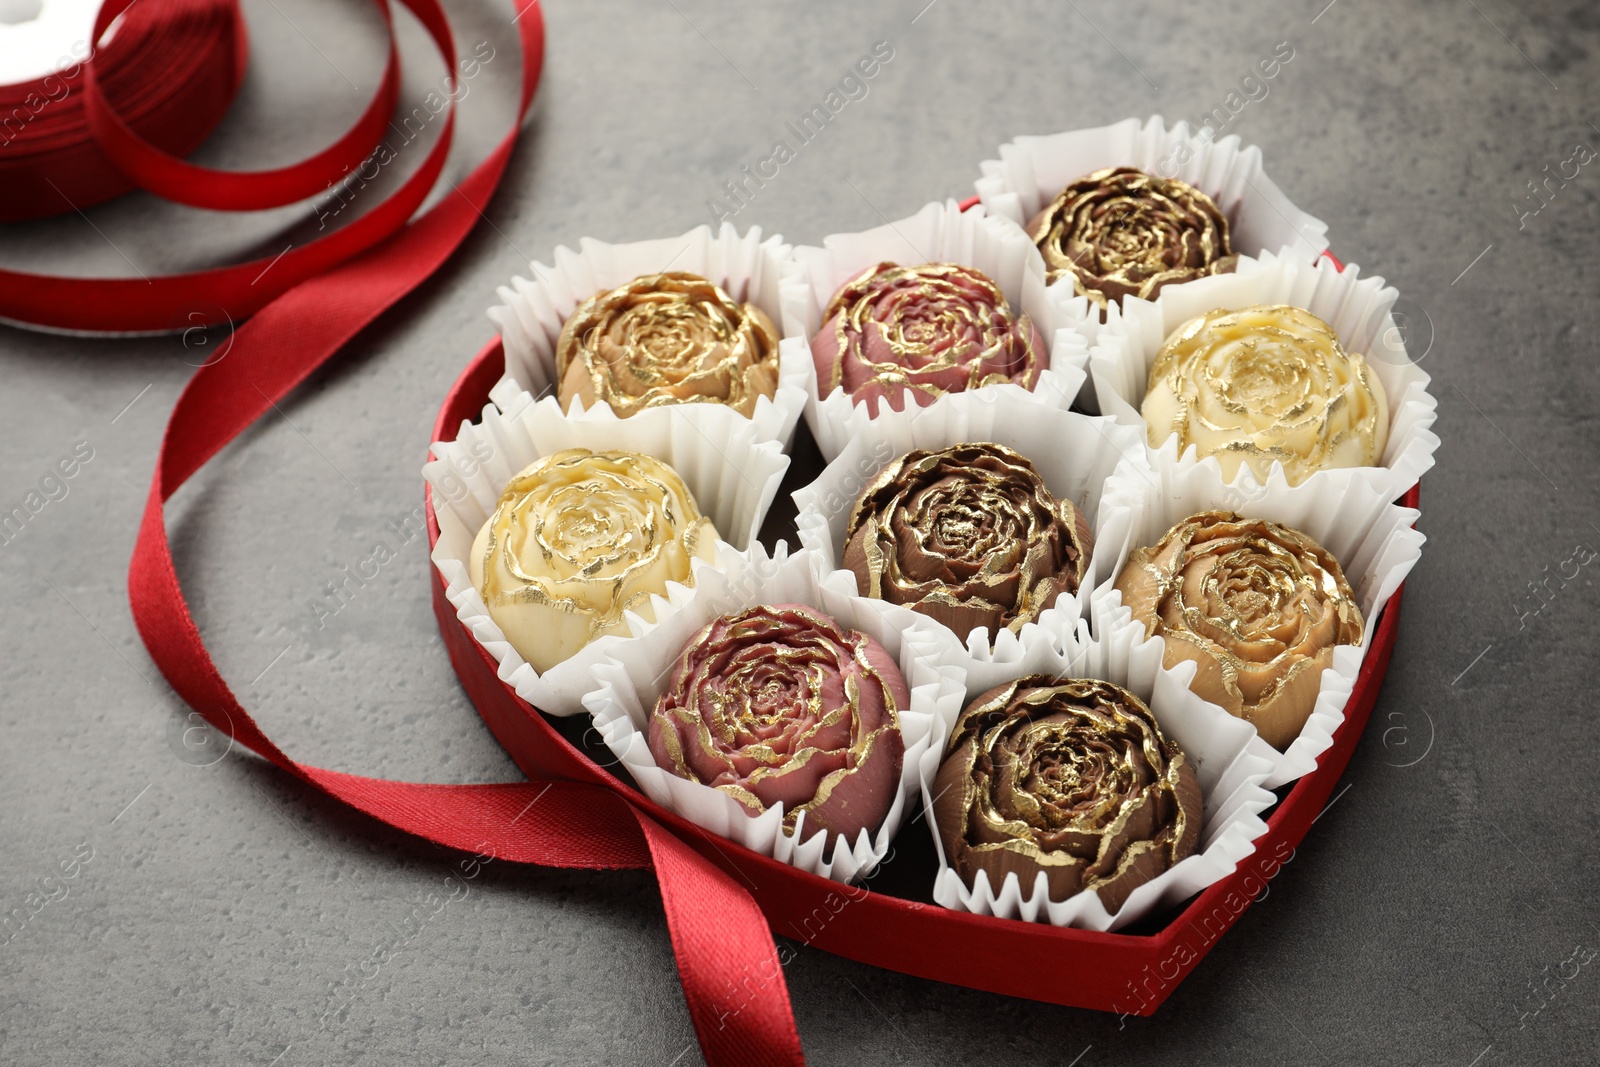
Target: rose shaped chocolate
{"type": "Point", "coordinates": [1121, 232]}
{"type": "Point", "coordinates": [1266, 383]}
{"type": "Point", "coordinates": [780, 705]}
{"type": "Point", "coordinates": [968, 535]}
{"type": "Point", "coordinates": [578, 539]}
{"type": "Point", "coordinates": [1256, 606]}
{"type": "Point", "coordinates": [667, 339]}
{"type": "Point", "coordinates": [923, 331]}
{"type": "Point", "coordinates": [1071, 777]}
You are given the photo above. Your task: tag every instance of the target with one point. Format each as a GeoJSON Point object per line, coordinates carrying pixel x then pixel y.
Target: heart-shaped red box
{"type": "Point", "coordinates": [1127, 973]}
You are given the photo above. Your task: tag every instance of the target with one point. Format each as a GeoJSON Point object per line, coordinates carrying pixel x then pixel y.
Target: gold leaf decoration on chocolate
{"type": "Point", "coordinates": [669, 338]}
{"type": "Point", "coordinates": [1070, 777]}
{"type": "Point", "coordinates": [1258, 607]}
{"type": "Point", "coordinates": [780, 704]}
{"type": "Point", "coordinates": [968, 535]}
{"type": "Point", "coordinates": [923, 331]}
{"type": "Point", "coordinates": [1121, 232]}
{"type": "Point", "coordinates": [579, 538]}
{"type": "Point", "coordinates": [1265, 383]}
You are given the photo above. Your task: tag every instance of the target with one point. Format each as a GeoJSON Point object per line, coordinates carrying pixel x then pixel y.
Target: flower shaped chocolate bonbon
{"type": "Point", "coordinates": [667, 338]}
{"type": "Point", "coordinates": [968, 535]}
{"type": "Point", "coordinates": [1265, 383]}
{"type": "Point", "coordinates": [924, 331]}
{"type": "Point", "coordinates": [1258, 608]}
{"type": "Point", "coordinates": [1071, 778]}
{"type": "Point", "coordinates": [579, 539]}
{"type": "Point", "coordinates": [781, 705]}
{"type": "Point", "coordinates": [1121, 232]}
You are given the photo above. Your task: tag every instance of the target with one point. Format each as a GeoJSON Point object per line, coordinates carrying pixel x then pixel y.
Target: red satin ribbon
{"type": "Point", "coordinates": [232, 293]}
{"type": "Point", "coordinates": [172, 177]}
{"type": "Point", "coordinates": [717, 931]}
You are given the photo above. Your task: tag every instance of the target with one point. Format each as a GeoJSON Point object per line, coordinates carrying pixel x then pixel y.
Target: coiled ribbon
{"type": "Point", "coordinates": [200, 46]}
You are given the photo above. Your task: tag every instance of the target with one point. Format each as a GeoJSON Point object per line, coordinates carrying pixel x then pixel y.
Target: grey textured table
{"type": "Point", "coordinates": [1439, 913]}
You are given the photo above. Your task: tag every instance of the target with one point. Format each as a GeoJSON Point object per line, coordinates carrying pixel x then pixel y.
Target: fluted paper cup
{"type": "Point", "coordinates": [1032, 171]}
{"type": "Point", "coordinates": [1359, 311]}
{"type": "Point", "coordinates": [1372, 539]}
{"type": "Point", "coordinates": [1230, 778]}
{"type": "Point", "coordinates": [938, 233]}
{"type": "Point", "coordinates": [634, 675]}
{"type": "Point", "coordinates": [1074, 454]}
{"type": "Point", "coordinates": [748, 267]}
{"type": "Point", "coordinates": [732, 473]}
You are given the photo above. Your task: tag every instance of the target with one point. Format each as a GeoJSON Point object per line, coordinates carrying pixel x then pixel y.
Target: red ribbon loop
{"type": "Point", "coordinates": [182, 182]}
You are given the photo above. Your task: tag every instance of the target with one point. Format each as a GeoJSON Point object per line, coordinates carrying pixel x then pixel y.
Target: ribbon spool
{"type": "Point", "coordinates": [160, 77]}
{"type": "Point", "coordinates": [50, 163]}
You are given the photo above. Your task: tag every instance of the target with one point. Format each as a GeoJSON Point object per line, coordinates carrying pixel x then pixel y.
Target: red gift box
{"type": "Point", "coordinates": [1119, 972]}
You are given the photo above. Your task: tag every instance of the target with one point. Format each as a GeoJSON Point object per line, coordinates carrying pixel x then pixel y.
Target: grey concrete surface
{"type": "Point", "coordinates": [1436, 915]}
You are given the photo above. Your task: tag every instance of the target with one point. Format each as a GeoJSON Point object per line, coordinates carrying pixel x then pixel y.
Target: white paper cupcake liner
{"type": "Point", "coordinates": [748, 268]}
{"type": "Point", "coordinates": [634, 674]}
{"type": "Point", "coordinates": [1074, 454]}
{"type": "Point", "coordinates": [732, 473]}
{"type": "Point", "coordinates": [1230, 776]}
{"type": "Point", "coordinates": [938, 233]}
{"type": "Point", "coordinates": [1372, 539]}
{"type": "Point", "coordinates": [1032, 171]}
{"type": "Point", "coordinates": [1357, 308]}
